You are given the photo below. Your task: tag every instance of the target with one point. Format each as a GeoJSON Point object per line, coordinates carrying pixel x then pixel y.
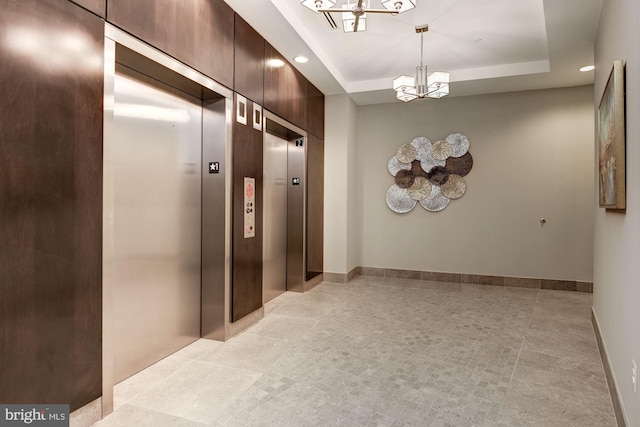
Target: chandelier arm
{"type": "Point", "coordinates": [355, 24]}
{"type": "Point", "coordinates": [385, 11]}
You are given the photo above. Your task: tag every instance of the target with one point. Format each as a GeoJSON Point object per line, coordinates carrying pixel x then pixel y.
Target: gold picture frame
{"type": "Point", "coordinates": [611, 139]}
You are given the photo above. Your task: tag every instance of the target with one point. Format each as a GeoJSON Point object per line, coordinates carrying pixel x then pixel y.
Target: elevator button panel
{"type": "Point", "coordinates": [249, 207]}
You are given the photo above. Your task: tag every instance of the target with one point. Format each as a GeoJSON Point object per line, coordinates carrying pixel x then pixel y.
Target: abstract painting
{"type": "Point", "coordinates": [611, 136]}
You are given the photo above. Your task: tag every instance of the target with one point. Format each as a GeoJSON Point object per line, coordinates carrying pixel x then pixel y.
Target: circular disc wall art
{"type": "Point", "coordinates": [427, 161]}
{"type": "Point", "coordinates": [455, 187]}
{"type": "Point", "coordinates": [459, 165]}
{"type": "Point", "coordinates": [429, 173]}
{"type": "Point", "coordinates": [441, 150]}
{"type": "Point", "coordinates": [398, 200]}
{"type": "Point", "coordinates": [420, 189]}
{"type": "Point", "coordinates": [404, 179]}
{"type": "Point", "coordinates": [396, 165]}
{"type": "Point", "coordinates": [421, 144]}
{"type": "Point", "coordinates": [436, 201]}
{"type": "Point", "coordinates": [407, 153]}
{"type": "Point", "coordinates": [459, 144]}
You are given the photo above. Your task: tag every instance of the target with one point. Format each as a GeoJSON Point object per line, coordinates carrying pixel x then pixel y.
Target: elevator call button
{"type": "Point", "coordinates": [249, 207]}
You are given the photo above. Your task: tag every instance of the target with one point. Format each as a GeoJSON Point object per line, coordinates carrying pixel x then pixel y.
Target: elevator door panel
{"type": "Point", "coordinates": [274, 277]}
{"type": "Point", "coordinates": [157, 222]}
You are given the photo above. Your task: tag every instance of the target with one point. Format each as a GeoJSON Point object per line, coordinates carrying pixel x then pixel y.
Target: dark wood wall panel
{"type": "Point", "coordinates": [285, 89]}
{"type": "Point", "coordinates": [315, 123]}
{"type": "Point", "coordinates": [315, 206]}
{"type": "Point", "coordinates": [249, 62]}
{"type": "Point", "coordinates": [99, 7]}
{"type": "Point", "coordinates": [196, 32]}
{"type": "Point", "coordinates": [246, 288]}
{"type": "Point", "coordinates": [50, 204]}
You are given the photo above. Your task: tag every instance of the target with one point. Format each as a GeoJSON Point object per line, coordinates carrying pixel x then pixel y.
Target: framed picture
{"type": "Point", "coordinates": [611, 132]}
{"type": "Point", "coordinates": [241, 109]}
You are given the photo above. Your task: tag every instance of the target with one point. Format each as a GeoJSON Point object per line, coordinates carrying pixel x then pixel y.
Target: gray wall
{"type": "Point", "coordinates": [340, 207]}
{"type": "Point", "coordinates": [533, 158]}
{"type": "Point", "coordinates": [617, 236]}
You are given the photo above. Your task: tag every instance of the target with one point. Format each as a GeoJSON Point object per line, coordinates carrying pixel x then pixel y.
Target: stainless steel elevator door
{"type": "Point", "coordinates": [274, 269]}
{"type": "Point", "coordinates": [156, 223]}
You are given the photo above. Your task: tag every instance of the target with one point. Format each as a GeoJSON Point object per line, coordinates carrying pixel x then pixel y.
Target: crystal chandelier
{"type": "Point", "coordinates": [354, 12]}
{"type": "Point", "coordinates": [422, 85]}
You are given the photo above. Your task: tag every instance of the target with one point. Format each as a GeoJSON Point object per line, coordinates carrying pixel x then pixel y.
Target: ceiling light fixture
{"type": "Point", "coordinates": [587, 68]}
{"type": "Point", "coordinates": [275, 63]}
{"type": "Point", "coordinates": [354, 19]}
{"type": "Point", "coordinates": [435, 85]}
{"type": "Point", "coordinates": [301, 59]}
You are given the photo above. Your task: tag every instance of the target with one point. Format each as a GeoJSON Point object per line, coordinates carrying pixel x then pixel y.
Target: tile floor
{"type": "Point", "coordinates": [386, 352]}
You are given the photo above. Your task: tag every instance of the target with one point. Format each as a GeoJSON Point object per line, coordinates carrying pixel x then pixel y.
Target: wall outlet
{"type": "Point", "coordinates": [634, 376]}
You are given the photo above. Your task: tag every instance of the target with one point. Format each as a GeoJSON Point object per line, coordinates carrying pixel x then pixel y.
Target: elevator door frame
{"type": "Point", "coordinates": [296, 256]}
{"type": "Point", "coordinates": [216, 232]}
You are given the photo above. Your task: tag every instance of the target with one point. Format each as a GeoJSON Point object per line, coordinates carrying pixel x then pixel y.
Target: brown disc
{"type": "Point", "coordinates": [416, 168]}
{"type": "Point", "coordinates": [459, 165]}
{"type": "Point", "coordinates": [404, 178]}
{"type": "Point", "coordinates": [438, 175]}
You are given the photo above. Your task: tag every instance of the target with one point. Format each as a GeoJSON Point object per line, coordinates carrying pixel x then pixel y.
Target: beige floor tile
{"type": "Point", "coordinates": [198, 348]}
{"type": "Point", "coordinates": [303, 308]}
{"type": "Point", "coordinates": [281, 300]}
{"type": "Point", "coordinates": [198, 392]}
{"type": "Point", "coordinates": [248, 351]}
{"type": "Point", "coordinates": [284, 327]}
{"type": "Point", "coordinates": [563, 345]}
{"type": "Point", "coordinates": [145, 379]}
{"type": "Point", "coordinates": [130, 415]}
{"type": "Point", "coordinates": [389, 352]}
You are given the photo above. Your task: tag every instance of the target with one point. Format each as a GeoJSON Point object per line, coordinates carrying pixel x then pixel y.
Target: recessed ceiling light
{"type": "Point", "coordinates": [301, 59]}
{"type": "Point", "coordinates": [587, 68]}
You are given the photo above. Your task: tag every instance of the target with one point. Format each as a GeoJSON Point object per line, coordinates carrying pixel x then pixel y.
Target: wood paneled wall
{"type": "Point", "coordinates": [196, 32]}
{"type": "Point", "coordinates": [315, 207]}
{"type": "Point", "coordinates": [50, 204]}
{"type": "Point", "coordinates": [315, 184]}
{"type": "Point", "coordinates": [51, 172]}
{"type": "Point", "coordinates": [285, 89]}
{"type": "Point", "coordinates": [315, 124]}
{"type": "Point", "coordinates": [247, 253]}
{"type": "Point", "coordinates": [99, 7]}
{"type": "Point", "coordinates": [249, 62]}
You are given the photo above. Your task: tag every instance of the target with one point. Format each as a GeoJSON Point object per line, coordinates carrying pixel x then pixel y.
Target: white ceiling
{"type": "Point", "coordinates": [488, 46]}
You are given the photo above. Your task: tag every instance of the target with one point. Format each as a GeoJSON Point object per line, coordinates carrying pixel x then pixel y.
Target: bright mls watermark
{"type": "Point", "coordinates": [34, 415]}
